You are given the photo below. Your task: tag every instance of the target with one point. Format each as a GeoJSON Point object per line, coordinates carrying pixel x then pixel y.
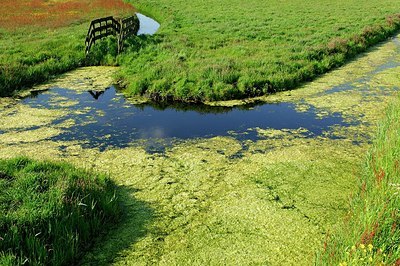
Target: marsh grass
{"type": "Point", "coordinates": [370, 233]}
{"type": "Point", "coordinates": [51, 212]}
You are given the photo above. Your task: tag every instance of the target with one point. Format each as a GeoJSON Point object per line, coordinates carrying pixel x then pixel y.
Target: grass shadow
{"type": "Point", "coordinates": [133, 227]}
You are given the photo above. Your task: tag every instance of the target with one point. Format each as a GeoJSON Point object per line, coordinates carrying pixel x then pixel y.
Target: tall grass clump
{"type": "Point", "coordinates": [51, 212]}
{"type": "Point", "coordinates": [370, 233]}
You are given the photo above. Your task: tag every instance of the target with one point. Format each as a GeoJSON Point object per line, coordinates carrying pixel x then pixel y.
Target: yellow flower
{"type": "Point", "coordinates": [362, 246]}
{"type": "Point", "coordinates": [353, 248]}
{"type": "Point", "coordinates": [370, 247]}
{"type": "Point", "coordinates": [370, 259]}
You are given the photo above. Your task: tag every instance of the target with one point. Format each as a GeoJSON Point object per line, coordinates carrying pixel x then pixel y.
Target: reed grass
{"type": "Point", "coordinates": [370, 232]}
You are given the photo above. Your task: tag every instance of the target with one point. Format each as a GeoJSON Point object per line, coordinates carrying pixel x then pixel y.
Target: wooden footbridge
{"type": "Point", "coordinates": [119, 27]}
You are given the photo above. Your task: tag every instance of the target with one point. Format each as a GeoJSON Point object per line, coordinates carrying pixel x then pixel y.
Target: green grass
{"type": "Point", "coordinates": [210, 50]}
{"type": "Point", "coordinates": [36, 56]}
{"type": "Point", "coordinates": [50, 212]}
{"type": "Point", "coordinates": [370, 233]}
{"type": "Point", "coordinates": [218, 50]}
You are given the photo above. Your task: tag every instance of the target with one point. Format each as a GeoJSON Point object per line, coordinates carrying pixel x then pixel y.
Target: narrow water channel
{"type": "Point", "coordinates": [148, 26]}
{"type": "Point", "coordinates": [103, 118]}
{"type": "Point", "coordinates": [108, 119]}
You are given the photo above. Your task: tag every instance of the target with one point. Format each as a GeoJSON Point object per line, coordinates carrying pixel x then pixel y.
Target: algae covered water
{"type": "Point", "coordinates": [106, 118]}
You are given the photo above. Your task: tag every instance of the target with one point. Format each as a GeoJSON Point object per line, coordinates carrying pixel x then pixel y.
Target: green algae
{"type": "Point", "coordinates": [82, 80]}
{"type": "Point", "coordinates": [62, 102]}
{"type": "Point", "coordinates": [390, 77]}
{"type": "Point", "coordinates": [21, 116]}
{"type": "Point", "coordinates": [208, 205]}
{"type": "Point", "coordinates": [29, 136]}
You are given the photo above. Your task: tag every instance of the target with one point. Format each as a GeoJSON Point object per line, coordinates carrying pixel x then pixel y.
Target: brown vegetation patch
{"type": "Point", "coordinates": [56, 13]}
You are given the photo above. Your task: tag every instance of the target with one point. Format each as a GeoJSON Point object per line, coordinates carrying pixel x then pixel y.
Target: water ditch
{"type": "Point", "coordinates": [101, 117]}
{"type": "Point", "coordinates": [274, 204]}
{"type": "Point", "coordinates": [148, 26]}
{"type": "Point", "coordinates": [109, 120]}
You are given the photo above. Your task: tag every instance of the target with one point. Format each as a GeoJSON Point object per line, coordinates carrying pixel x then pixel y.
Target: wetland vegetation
{"type": "Point", "coordinates": [272, 189]}
{"type": "Point", "coordinates": [370, 233]}
{"type": "Point", "coordinates": [216, 199]}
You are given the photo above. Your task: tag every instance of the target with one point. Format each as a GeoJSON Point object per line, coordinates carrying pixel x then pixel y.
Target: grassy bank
{"type": "Point", "coordinates": [40, 39]}
{"type": "Point", "coordinates": [50, 213]}
{"type": "Point", "coordinates": [370, 234]}
{"type": "Point", "coordinates": [218, 50]}
{"type": "Point", "coordinates": [205, 51]}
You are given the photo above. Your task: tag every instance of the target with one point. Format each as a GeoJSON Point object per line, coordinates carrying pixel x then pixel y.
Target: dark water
{"type": "Point", "coordinates": [107, 119]}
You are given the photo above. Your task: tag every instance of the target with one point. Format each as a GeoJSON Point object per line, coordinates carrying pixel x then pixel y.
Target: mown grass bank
{"type": "Point", "coordinates": [370, 233]}
{"type": "Point", "coordinates": [50, 213]}
{"type": "Point", "coordinates": [219, 50]}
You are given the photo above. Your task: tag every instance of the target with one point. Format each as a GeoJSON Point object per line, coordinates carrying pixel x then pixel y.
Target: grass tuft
{"type": "Point", "coordinates": [51, 212]}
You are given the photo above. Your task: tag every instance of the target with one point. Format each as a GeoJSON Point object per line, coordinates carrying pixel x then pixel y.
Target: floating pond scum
{"type": "Point", "coordinates": [108, 119]}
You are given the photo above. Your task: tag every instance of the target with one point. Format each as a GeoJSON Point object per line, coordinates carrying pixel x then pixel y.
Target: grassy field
{"type": "Point", "coordinates": [50, 213]}
{"type": "Point", "coordinates": [209, 50]}
{"type": "Point", "coordinates": [370, 234]}
{"type": "Point", "coordinates": [40, 39]}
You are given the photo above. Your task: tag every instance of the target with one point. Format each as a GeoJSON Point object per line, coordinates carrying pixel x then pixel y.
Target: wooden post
{"type": "Point", "coordinates": [120, 36]}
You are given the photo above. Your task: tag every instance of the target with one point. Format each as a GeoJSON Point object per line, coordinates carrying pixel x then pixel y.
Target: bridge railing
{"type": "Point", "coordinates": [103, 27]}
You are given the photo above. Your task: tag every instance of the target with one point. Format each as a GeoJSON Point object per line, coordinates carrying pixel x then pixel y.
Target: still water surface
{"type": "Point", "coordinates": [106, 118]}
